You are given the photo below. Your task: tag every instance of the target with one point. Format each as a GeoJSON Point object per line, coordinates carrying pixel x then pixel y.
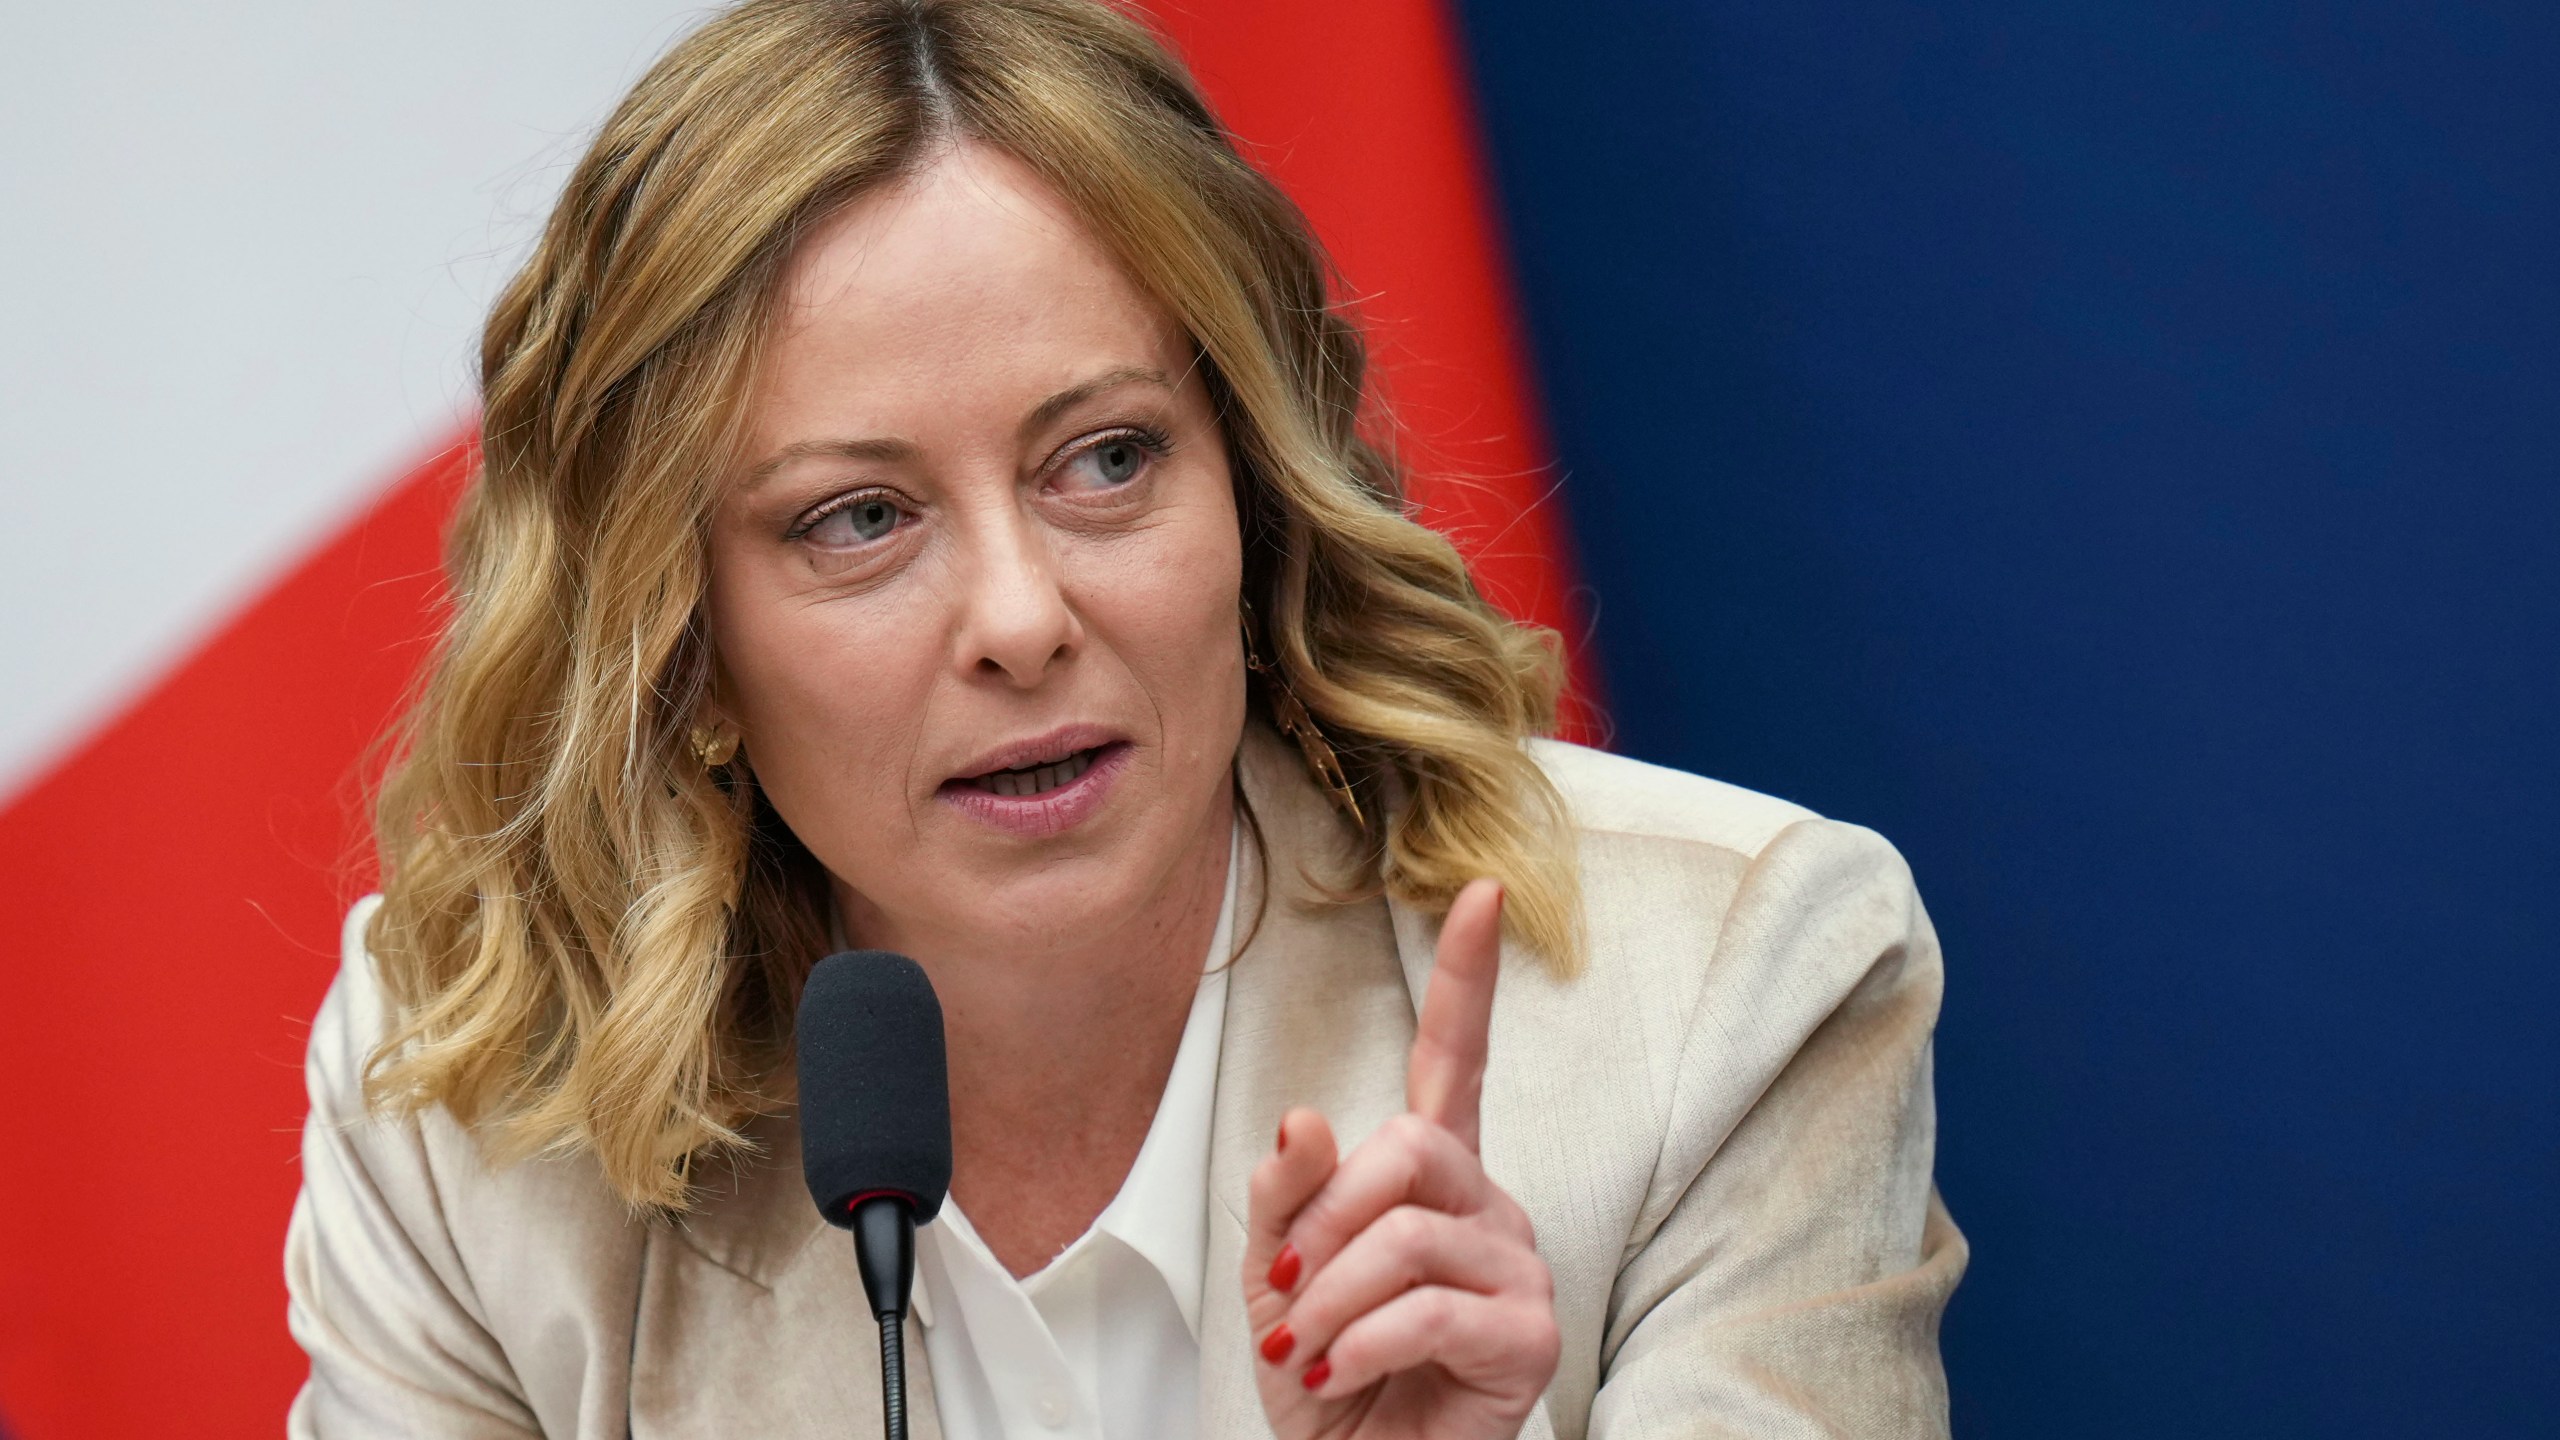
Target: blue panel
{"type": "Point", "coordinates": [2114, 449]}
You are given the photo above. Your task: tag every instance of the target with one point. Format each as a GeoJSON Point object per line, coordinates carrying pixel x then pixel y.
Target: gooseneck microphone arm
{"type": "Point", "coordinates": [875, 1129]}
{"type": "Point", "coordinates": [884, 1247]}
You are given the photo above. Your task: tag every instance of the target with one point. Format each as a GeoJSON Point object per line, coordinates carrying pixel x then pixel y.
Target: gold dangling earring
{"type": "Point", "coordinates": [1294, 721]}
{"type": "Point", "coordinates": [714, 745]}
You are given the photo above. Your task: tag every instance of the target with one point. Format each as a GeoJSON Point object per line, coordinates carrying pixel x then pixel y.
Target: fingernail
{"type": "Point", "coordinates": [1317, 1374]}
{"type": "Point", "coordinates": [1284, 1268]}
{"type": "Point", "coordinates": [1283, 1142]}
{"type": "Point", "coordinates": [1277, 1345]}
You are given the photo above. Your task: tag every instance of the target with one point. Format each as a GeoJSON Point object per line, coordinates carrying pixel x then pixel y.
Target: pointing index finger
{"type": "Point", "coordinates": [1444, 1079]}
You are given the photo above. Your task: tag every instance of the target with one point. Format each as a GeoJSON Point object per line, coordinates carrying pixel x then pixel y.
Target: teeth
{"type": "Point", "coordinates": [1040, 780]}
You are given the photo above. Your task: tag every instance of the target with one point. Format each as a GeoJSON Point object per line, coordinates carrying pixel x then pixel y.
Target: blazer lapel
{"type": "Point", "coordinates": [1318, 1014]}
{"type": "Point", "coordinates": [751, 1318]}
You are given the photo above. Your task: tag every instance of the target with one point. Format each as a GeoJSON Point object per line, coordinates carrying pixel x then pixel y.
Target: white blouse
{"type": "Point", "coordinates": [1103, 1343]}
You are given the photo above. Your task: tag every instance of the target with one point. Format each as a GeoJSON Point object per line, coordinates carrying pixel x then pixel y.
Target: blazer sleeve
{"type": "Point", "coordinates": [1798, 1258]}
{"type": "Point", "coordinates": [378, 1295]}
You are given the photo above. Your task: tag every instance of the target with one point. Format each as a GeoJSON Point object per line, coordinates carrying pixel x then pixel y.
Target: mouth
{"type": "Point", "coordinates": [1025, 781]}
{"type": "Point", "coordinates": [1042, 787]}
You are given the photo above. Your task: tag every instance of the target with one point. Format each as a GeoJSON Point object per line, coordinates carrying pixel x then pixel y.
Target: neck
{"type": "Point", "coordinates": [1059, 1051]}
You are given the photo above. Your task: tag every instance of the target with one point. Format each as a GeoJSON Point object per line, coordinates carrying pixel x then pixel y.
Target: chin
{"type": "Point", "coordinates": [1054, 903]}
{"type": "Point", "coordinates": [1064, 893]}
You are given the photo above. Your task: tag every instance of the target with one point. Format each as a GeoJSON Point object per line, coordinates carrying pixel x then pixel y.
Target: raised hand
{"type": "Point", "coordinates": [1397, 1292]}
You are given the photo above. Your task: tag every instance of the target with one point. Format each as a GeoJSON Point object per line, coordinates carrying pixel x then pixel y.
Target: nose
{"type": "Point", "coordinates": [1015, 621]}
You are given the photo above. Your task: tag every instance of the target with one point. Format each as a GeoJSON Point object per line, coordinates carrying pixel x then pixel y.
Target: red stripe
{"type": "Point", "coordinates": [1361, 110]}
{"type": "Point", "coordinates": [173, 890]}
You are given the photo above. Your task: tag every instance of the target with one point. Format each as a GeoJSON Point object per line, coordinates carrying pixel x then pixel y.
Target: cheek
{"type": "Point", "coordinates": [829, 695]}
{"type": "Point", "coordinates": [1167, 607]}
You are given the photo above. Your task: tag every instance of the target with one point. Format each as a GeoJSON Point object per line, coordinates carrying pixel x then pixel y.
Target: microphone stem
{"type": "Point", "coordinates": [884, 1250]}
{"type": "Point", "coordinates": [893, 1378]}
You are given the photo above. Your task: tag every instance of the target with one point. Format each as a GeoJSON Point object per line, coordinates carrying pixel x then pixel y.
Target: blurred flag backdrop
{"type": "Point", "coordinates": [2109, 449]}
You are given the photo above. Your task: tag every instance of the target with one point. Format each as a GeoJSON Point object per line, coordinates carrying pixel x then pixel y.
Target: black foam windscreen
{"type": "Point", "coordinates": [875, 1098]}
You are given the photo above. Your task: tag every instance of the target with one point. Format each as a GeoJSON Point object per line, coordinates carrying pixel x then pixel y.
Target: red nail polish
{"type": "Point", "coordinates": [1284, 1268]}
{"type": "Point", "coordinates": [1283, 1142]}
{"type": "Point", "coordinates": [1317, 1374]}
{"type": "Point", "coordinates": [1277, 1345]}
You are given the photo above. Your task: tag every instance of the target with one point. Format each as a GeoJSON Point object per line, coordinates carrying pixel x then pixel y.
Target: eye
{"type": "Point", "coordinates": [1113, 462]}
{"type": "Point", "coordinates": [856, 522]}
{"type": "Point", "coordinates": [1117, 460]}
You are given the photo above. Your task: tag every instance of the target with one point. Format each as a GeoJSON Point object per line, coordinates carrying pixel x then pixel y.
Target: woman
{"type": "Point", "coordinates": [923, 508]}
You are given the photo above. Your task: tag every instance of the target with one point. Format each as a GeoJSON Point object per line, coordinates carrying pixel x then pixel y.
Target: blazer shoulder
{"type": "Point", "coordinates": [1611, 794]}
{"type": "Point", "coordinates": [351, 1021]}
{"type": "Point", "coordinates": [425, 1280]}
{"type": "Point", "coordinates": [1682, 874]}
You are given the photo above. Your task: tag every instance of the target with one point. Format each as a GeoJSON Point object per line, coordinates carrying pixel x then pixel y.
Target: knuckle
{"type": "Point", "coordinates": [1521, 1224]}
{"type": "Point", "coordinates": [1400, 1169]}
{"type": "Point", "coordinates": [1542, 1283]}
{"type": "Point", "coordinates": [1542, 1341]}
{"type": "Point", "coordinates": [1410, 1132]}
{"type": "Point", "coordinates": [1409, 1248]}
{"type": "Point", "coordinates": [1406, 1227]}
{"type": "Point", "coordinates": [1431, 1311]}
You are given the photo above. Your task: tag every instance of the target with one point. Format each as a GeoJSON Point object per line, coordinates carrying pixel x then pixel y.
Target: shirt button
{"type": "Point", "coordinates": [1053, 1411]}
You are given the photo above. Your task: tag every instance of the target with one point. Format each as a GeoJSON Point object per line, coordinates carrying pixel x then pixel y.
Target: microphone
{"type": "Point", "coordinates": [875, 1129]}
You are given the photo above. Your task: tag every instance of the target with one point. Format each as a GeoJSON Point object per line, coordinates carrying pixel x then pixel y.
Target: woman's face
{"type": "Point", "coordinates": [974, 588]}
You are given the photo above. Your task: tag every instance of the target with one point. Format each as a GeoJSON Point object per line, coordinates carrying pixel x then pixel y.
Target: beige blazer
{"type": "Point", "coordinates": [1722, 1131]}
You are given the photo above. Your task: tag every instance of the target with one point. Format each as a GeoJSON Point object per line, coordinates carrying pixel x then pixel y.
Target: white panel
{"type": "Point", "coordinates": [244, 250]}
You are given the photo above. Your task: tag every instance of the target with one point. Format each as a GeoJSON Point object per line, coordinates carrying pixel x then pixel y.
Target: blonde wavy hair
{"type": "Point", "coordinates": [592, 942]}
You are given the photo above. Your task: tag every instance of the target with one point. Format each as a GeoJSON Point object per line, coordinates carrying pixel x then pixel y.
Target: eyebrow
{"type": "Point", "coordinates": [887, 450]}
{"type": "Point", "coordinates": [879, 450]}
{"type": "Point", "coordinates": [1047, 411]}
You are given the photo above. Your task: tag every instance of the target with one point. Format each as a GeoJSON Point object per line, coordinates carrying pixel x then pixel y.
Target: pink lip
{"type": "Point", "coordinates": [1040, 816]}
{"type": "Point", "coordinates": [1058, 744]}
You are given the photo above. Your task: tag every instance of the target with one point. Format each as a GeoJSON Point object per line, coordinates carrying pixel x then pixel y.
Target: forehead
{"type": "Point", "coordinates": [971, 268]}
